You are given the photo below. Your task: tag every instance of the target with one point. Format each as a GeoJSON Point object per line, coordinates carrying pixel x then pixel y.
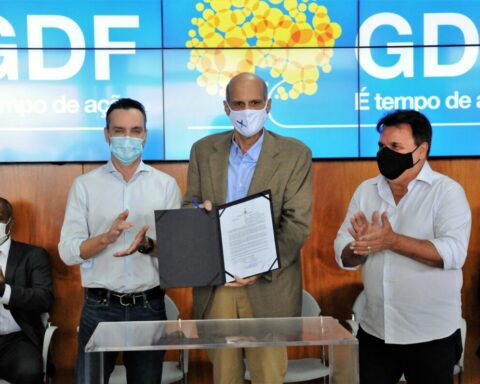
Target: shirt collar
{"type": "Point", "coordinates": [254, 151]}
{"type": "Point", "coordinates": [426, 175]}
{"type": "Point", "coordinates": [5, 247]}
{"type": "Point", "coordinates": [110, 168]}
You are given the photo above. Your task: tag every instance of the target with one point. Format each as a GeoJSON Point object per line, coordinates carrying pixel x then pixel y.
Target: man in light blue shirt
{"type": "Point", "coordinates": [229, 166]}
{"type": "Point", "coordinates": [108, 230]}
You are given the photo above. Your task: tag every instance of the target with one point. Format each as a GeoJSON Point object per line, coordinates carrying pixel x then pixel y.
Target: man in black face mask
{"type": "Point", "coordinates": [409, 229]}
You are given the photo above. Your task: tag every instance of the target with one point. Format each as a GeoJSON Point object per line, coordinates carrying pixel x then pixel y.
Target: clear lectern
{"type": "Point", "coordinates": [231, 333]}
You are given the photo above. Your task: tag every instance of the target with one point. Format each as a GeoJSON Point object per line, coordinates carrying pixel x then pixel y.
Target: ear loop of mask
{"type": "Point", "coordinates": [6, 225]}
{"type": "Point", "coordinates": [418, 146]}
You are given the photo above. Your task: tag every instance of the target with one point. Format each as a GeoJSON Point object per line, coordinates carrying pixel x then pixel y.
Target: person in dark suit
{"type": "Point", "coordinates": [229, 166]}
{"type": "Point", "coordinates": [25, 293]}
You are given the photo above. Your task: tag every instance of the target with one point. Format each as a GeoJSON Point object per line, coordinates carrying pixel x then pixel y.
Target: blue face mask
{"type": "Point", "coordinates": [126, 149]}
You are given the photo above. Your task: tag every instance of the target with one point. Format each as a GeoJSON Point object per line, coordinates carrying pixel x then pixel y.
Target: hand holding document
{"type": "Point", "coordinates": [243, 282]}
{"type": "Point", "coordinates": [200, 248]}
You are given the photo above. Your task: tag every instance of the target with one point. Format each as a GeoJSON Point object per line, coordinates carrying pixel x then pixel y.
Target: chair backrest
{"type": "Point", "coordinates": [171, 309]}
{"type": "Point", "coordinates": [310, 306]}
{"type": "Point", "coordinates": [173, 313]}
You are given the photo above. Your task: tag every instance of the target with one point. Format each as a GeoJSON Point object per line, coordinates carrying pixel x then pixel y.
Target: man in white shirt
{"type": "Point", "coordinates": [25, 293]}
{"type": "Point", "coordinates": [409, 228]}
{"type": "Point", "coordinates": [109, 213]}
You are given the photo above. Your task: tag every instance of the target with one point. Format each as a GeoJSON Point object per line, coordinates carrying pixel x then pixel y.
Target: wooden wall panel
{"type": "Point", "coordinates": [39, 194]}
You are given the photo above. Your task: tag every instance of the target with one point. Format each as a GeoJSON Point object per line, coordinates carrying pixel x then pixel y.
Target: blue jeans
{"type": "Point", "coordinates": [142, 367]}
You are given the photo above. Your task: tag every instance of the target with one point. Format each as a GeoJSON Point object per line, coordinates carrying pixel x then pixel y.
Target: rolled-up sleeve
{"type": "Point", "coordinates": [75, 226]}
{"type": "Point", "coordinates": [452, 223]}
{"type": "Point", "coordinates": [343, 236]}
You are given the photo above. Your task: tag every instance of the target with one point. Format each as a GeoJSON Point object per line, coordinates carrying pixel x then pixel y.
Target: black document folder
{"type": "Point", "coordinates": [189, 245]}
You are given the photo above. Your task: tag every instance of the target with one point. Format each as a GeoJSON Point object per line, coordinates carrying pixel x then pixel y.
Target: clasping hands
{"type": "Point", "coordinates": [371, 237]}
{"type": "Point", "coordinates": [119, 225]}
{"type": "Point", "coordinates": [140, 238]}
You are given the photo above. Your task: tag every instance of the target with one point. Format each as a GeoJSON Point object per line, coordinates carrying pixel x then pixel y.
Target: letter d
{"type": "Point", "coordinates": [38, 70]}
{"type": "Point", "coordinates": [432, 21]}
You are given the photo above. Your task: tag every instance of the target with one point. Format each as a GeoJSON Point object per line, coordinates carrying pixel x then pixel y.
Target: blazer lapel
{"type": "Point", "coordinates": [12, 262]}
{"type": "Point", "coordinates": [218, 163]}
{"type": "Point", "coordinates": [266, 165]}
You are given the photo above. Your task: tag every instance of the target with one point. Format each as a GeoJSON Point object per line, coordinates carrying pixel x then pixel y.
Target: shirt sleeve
{"type": "Point", "coordinates": [173, 195]}
{"type": "Point", "coordinates": [452, 223]}
{"type": "Point", "coordinates": [75, 226]}
{"type": "Point", "coordinates": [343, 236]}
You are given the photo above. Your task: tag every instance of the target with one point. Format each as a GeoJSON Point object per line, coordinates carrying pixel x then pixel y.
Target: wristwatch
{"type": "Point", "coordinates": [146, 248]}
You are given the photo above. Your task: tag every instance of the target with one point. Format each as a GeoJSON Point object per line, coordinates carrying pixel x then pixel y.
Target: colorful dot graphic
{"type": "Point", "coordinates": [279, 30]}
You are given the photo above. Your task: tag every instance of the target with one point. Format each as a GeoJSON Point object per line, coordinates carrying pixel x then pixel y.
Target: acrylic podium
{"type": "Point", "coordinates": [342, 347]}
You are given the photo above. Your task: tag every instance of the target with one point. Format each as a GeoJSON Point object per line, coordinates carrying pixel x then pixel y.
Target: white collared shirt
{"type": "Point", "coordinates": [407, 301]}
{"type": "Point", "coordinates": [7, 322]}
{"type": "Point", "coordinates": [94, 202]}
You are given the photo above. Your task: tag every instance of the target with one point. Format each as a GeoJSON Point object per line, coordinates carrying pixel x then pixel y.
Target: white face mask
{"type": "Point", "coordinates": [248, 122]}
{"type": "Point", "coordinates": [3, 232]}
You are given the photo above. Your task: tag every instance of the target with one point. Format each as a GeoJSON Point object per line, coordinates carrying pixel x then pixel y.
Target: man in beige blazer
{"type": "Point", "coordinates": [230, 165]}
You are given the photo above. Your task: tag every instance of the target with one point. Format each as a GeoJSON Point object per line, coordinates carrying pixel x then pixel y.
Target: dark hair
{"type": "Point", "coordinates": [421, 127]}
{"type": "Point", "coordinates": [265, 88]}
{"type": "Point", "coordinates": [8, 207]}
{"type": "Point", "coordinates": [126, 103]}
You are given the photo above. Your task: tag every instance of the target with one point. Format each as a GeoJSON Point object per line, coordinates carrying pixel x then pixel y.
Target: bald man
{"type": "Point", "coordinates": [229, 166]}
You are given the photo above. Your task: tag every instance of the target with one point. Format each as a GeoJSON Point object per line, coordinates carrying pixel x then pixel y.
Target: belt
{"type": "Point", "coordinates": [126, 299]}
